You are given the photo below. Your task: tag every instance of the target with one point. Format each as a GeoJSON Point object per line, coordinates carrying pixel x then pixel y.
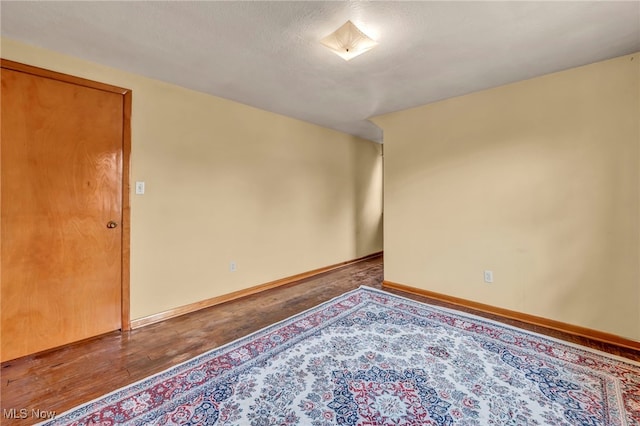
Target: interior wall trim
{"type": "Point", "coordinates": [571, 329]}
{"type": "Point", "coordinates": [181, 310]}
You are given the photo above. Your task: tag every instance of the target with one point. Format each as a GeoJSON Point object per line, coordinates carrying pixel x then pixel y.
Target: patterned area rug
{"type": "Point", "coordinates": [372, 358]}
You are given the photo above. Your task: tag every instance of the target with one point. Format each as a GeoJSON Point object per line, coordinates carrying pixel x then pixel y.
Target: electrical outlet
{"type": "Point", "coordinates": [488, 276]}
{"type": "Point", "coordinates": [233, 266]}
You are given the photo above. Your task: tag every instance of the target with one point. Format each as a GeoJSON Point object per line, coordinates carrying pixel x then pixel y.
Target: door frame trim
{"type": "Point", "coordinates": [125, 168]}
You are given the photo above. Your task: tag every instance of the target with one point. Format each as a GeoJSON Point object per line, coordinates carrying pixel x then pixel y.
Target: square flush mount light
{"type": "Point", "coordinates": [348, 41]}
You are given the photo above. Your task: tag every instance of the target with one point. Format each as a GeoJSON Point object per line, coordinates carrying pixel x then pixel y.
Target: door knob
{"type": "Point", "coordinates": [111, 224]}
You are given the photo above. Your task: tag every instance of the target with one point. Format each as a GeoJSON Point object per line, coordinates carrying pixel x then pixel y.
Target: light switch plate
{"type": "Point", "coordinates": [139, 187]}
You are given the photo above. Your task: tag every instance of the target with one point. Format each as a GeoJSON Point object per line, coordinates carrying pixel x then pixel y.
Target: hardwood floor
{"type": "Point", "coordinates": [60, 379]}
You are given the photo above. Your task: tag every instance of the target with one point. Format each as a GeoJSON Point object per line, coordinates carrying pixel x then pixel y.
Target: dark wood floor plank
{"type": "Point", "coordinates": [64, 378]}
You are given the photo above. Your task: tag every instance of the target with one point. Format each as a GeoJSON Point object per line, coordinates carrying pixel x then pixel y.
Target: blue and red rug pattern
{"type": "Point", "coordinates": [372, 358]}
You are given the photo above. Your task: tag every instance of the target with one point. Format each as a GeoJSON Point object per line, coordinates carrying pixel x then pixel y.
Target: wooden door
{"type": "Point", "coordinates": [62, 222]}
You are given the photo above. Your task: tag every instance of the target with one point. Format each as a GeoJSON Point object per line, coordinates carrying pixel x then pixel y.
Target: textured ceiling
{"type": "Point", "coordinates": [268, 55]}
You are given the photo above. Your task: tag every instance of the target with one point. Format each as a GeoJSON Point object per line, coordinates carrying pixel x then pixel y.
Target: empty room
{"type": "Point", "coordinates": [320, 213]}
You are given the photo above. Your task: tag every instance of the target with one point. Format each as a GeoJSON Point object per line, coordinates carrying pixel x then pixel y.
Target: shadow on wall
{"type": "Point", "coordinates": [368, 197]}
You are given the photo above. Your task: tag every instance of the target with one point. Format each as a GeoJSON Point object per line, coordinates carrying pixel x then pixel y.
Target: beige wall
{"type": "Point", "coordinates": [368, 193]}
{"type": "Point", "coordinates": [537, 181]}
{"type": "Point", "coordinates": [227, 182]}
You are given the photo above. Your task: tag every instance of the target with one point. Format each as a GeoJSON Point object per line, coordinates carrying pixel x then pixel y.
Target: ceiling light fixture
{"type": "Point", "coordinates": [348, 41]}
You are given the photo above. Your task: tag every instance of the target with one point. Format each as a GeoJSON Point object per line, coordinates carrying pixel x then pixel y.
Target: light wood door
{"type": "Point", "coordinates": [62, 186]}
